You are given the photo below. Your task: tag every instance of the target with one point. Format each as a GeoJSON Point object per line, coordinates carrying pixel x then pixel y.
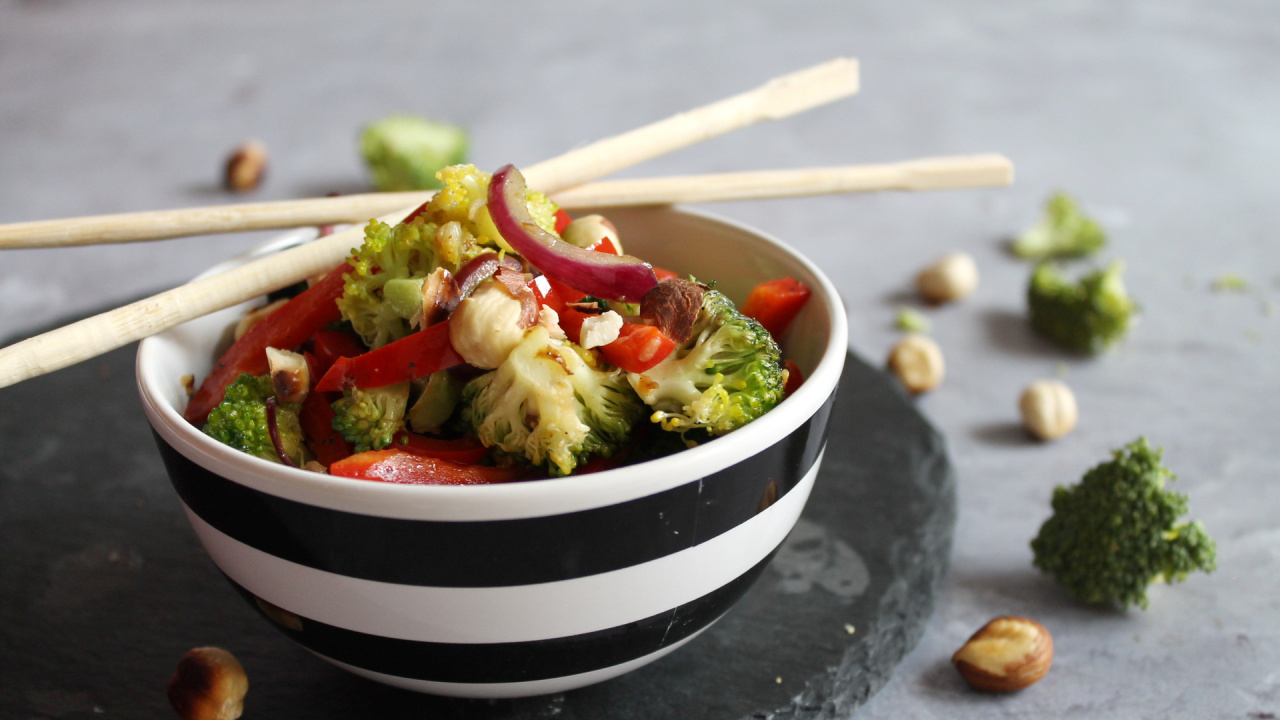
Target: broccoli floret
{"type": "Point", "coordinates": [404, 152]}
{"type": "Point", "coordinates": [724, 376]}
{"type": "Point", "coordinates": [549, 404]}
{"type": "Point", "coordinates": [240, 421]}
{"type": "Point", "coordinates": [1116, 532]}
{"type": "Point", "coordinates": [1087, 316]}
{"type": "Point", "coordinates": [370, 418]}
{"type": "Point", "coordinates": [383, 290]}
{"type": "Point", "coordinates": [1063, 232]}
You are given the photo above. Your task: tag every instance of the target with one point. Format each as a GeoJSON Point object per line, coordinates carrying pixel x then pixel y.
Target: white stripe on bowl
{"type": "Point", "coordinates": [507, 614]}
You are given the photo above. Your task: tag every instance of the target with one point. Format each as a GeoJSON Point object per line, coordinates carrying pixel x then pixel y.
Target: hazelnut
{"type": "Point", "coordinates": [917, 361]}
{"type": "Point", "coordinates": [290, 375]}
{"type": "Point", "coordinates": [209, 684]}
{"type": "Point", "coordinates": [1007, 654]}
{"type": "Point", "coordinates": [952, 277]}
{"type": "Point", "coordinates": [1048, 409]}
{"type": "Point", "coordinates": [246, 166]}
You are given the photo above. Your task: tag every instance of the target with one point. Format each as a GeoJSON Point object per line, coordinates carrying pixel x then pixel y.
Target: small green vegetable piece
{"type": "Point", "coordinates": [724, 376]}
{"type": "Point", "coordinates": [370, 418]}
{"type": "Point", "coordinates": [1087, 316]}
{"type": "Point", "coordinates": [404, 152]}
{"type": "Point", "coordinates": [438, 396]}
{"type": "Point", "coordinates": [910, 320]}
{"type": "Point", "coordinates": [1117, 531]}
{"type": "Point", "coordinates": [1063, 232]}
{"type": "Point", "coordinates": [240, 421]}
{"type": "Point", "coordinates": [1231, 282]}
{"type": "Point", "coordinates": [548, 405]}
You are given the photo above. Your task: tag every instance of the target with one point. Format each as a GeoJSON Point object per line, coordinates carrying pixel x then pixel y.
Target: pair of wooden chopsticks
{"type": "Point", "coordinates": [561, 177]}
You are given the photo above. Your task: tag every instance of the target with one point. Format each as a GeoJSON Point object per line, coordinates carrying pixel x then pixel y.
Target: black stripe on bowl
{"type": "Point", "coordinates": [498, 553]}
{"type": "Point", "coordinates": [509, 662]}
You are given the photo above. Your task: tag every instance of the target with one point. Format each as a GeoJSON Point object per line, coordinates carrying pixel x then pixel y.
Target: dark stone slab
{"type": "Point", "coordinates": [104, 585]}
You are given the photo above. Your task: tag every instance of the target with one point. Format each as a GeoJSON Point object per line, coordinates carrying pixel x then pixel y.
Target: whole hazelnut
{"type": "Point", "coordinates": [1007, 654]}
{"type": "Point", "coordinates": [917, 361]}
{"type": "Point", "coordinates": [209, 684]}
{"type": "Point", "coordinates": [246, 166]}
{"type": "Point", "coordinates": [952, 277]}
{"type": "Point", "coordinates": [1048, 409]}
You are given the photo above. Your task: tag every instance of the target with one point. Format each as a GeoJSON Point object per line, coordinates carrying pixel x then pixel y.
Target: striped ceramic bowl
{"type": "Point", "coordinates": [525, 588]}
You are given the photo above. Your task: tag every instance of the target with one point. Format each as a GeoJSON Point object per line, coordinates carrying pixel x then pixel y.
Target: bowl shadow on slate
{"type": "Point", "coordinates": [106, 566]}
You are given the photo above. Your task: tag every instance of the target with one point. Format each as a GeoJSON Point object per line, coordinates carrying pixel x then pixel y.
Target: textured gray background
{"type": "Point", "coordinates": [1163, 117]}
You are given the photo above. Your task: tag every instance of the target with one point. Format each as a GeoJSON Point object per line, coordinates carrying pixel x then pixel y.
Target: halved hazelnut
{"type": "Point", "coordinates": [672, 306]}
{"type": "Point", "coordinates": [440, 295]}
{"type": "Point", "coordinates": [290, 375]}
{"type": "Point", "coordinates": [209, 684]}
{"type": "Point", "coordinates": [1007, 654]}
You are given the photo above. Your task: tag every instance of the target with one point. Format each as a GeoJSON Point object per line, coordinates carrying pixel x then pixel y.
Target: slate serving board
{"type": "Point", "coordinates": [103, 585]}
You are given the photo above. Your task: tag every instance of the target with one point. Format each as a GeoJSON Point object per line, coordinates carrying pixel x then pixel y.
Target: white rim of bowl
{"type": "Point", "coordinates": [512, 500]}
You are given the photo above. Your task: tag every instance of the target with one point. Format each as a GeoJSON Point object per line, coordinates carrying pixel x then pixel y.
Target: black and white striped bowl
{"type": "Point", "coordinates": [525, 588]}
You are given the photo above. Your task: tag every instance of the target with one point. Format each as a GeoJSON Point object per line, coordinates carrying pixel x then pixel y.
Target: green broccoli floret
{"type": "Point", "coordinates": [1063, 232]}
{"type": "Point", "coordinates": [1116, 532]}
{"type": "Point", "coordinates": [383, 290]}
{"type": "Point", "coordinates": [1087, 316]}
{"type": "Point", "coordinates": [370, 418]}
{"type": "Point", "coordinates": [724, 376]}
{"type": "Point", "coordinates": [550, 405]}
{"type": "Point", "coordinates": [240, 421]}
{"type": "Point", "coordinates": [404, 152]}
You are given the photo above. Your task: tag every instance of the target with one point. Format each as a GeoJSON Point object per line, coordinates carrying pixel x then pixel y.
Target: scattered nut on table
{"type": "Point", "coordinates": [246, 166]}
{"type": "Point", "coordinates": [952, 277]}
{"type": "Point", "coordinates": [1048, 409]}
{"type": "Point", "coordinates": [1007, 654]}
{"type": "Point", "coordinates": [917, 361]}
{"type": "Point", "coordinates": [209, 684]}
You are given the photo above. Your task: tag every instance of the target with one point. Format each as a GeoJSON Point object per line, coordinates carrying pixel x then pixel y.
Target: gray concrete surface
{"type": "Point", "coordinates": [1163, 117]}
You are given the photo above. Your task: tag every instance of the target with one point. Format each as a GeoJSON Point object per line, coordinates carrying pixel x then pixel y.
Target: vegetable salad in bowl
{"type": "Point", "coordinates": [489, 337]}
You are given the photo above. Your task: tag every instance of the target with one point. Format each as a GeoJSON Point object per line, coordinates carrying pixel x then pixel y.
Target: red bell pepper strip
{"type": "Point", "coordinates": [398, 466]}
{"type": "Point", "coordinates": [664, 274]}
{"type": "Point", "coordinates": [286, 328]}
{"type": "Point", "coordinates": [776, 303]}
{"type": "Point", "coordinates": [316, 418]}
{"type": "Point", "coordinates": [562, 220]}
{"type": "Point", "coordinates": [329, 345]}
{"type": "Point", "coordinates": [794, 378]}
{"type": "Point", "coordinates": [412, 356]}
{"type": "Point", "coordinates": [638, 347]}
{"type": "Point", "coordinates": [467, 449]}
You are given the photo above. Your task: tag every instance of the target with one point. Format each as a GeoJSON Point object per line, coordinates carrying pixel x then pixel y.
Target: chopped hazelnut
{"type": "Point", "coordinates": [246, 166]}
{"type": "Point", "coordinates": [290, 375]}
{"type": "Point", "coordinates": [209, 684]}
{"type": "Point", "coordinates": [917, 361]}
{"type": "Point", "coordinates": [1007, 654]}
{"type": "Point", "coordinates": [952, 277]}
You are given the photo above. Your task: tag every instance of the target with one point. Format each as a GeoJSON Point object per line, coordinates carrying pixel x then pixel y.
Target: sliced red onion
{"type": "Point", "coordinates": [273, 430]}
{"type": "Point", "coordinates": [481, 268]}
{"type": "Point", "coordinates": [612, 277]}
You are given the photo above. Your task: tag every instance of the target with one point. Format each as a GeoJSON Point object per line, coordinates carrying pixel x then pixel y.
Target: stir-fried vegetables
{"type": "Point", "coordinates": [486, 349]}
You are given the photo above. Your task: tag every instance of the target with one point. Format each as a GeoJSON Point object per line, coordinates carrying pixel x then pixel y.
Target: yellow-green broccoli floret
{"type": "Point", "coordinates": [724, 376]}
{"type": "Point", "coordinates": [1063, 232]}
{"type": "Point", "coordinates": [240, 421]}
{"type": "Point", "coordinates": [1116, 532]}
{"type": "Point", "coordinates": [549, 405]}
{"type": "Point", "coordinates": [370, 418]}
{"type": "Point", "coordinates": [404, 152]}
{"type": "Point", "coordinates": [1087, 316]}
{"type": "Point", "coordinates": [382, 294]}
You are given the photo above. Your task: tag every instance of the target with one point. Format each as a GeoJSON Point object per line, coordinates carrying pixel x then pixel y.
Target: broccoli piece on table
{"type": "Point", "coordinates": [404, 152]}
{"type": "Point", "coordinates": [240, 421]}
{"type": "Point", "coordinates": [1117, 531]}
{"type": "Point", "coordinates": [382, 294]}
{"type": "Point", "coordinates": [1063, 232]}
{"type": "Point", "coordinates": [549, 404]}
{"type": "Point", "coordinates": [724, 376]}
{"type": "Point", "coordinates": [1087, 316]}
{"type": "Point", "coordinates": [370, 418]}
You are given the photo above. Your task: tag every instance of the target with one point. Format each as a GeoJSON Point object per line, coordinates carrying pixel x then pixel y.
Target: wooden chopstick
{"type": "Point", "coordinates": [924, 174]}
{"type": "Point", "coordinates": [115, 328]}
